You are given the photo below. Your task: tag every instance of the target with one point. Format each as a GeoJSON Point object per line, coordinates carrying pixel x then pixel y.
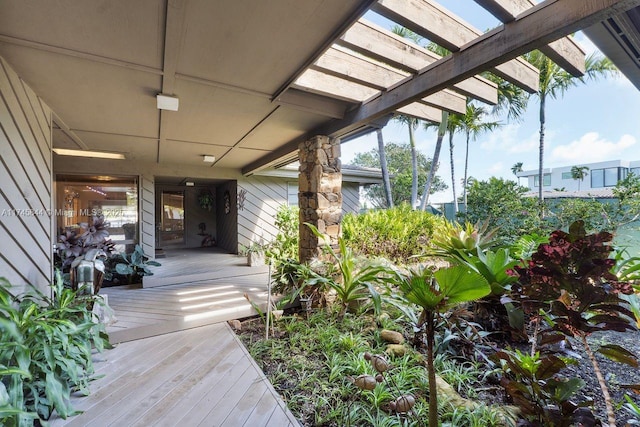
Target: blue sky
{"type": "Point", "coordinates": [597, 121]}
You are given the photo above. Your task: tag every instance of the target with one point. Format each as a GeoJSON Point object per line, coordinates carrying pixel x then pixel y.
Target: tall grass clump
{"type": "Point", "coordinates": [395, 234]}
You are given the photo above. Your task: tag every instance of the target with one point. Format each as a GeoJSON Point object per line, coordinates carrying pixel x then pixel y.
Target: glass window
{"type": "Point", "coordinates": [635, 171]}
{"type": "Point", "coordinates": [566, 175]}
{"type": "Point", "coordinates": [597, 178]}
{"type": "Point", "coordinates": [80, 198]}
{"type": "Point", "coordinates": [546, 180]}
{"type": "Point", "coordinates": [292, 193]}
{"type": "Point", "coordinates": [610, 177]}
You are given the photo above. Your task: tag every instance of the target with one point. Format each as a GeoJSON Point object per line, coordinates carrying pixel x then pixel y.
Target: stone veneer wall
{"type": "Point", "coordinates": [320, 194]}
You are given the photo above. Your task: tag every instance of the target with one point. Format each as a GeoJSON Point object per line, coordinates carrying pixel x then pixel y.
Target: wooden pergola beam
{"type": "Point", "coordinates": [365, 72]}
{"type": "Point", "coordinates": [422, 112]}
{"type": "Point", "coordinates": [551, 20]}
{"type": "Point", "coordinates": [382, 45]}
{"type": "Point", "coordinates": [565, 52]}
{"type": "Point", "coordinates": [432, 21]}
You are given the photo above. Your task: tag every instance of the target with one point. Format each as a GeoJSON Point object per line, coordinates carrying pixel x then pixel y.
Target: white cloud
{"type": "Point", "coordinates": [591, 148]}
{"type": "Point", "coordinates": [496, 168]}
{"type": "Point", "coordinates": [505, 139]}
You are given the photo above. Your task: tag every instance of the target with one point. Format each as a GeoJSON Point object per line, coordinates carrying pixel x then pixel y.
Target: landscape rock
{"type": "Point", "coordinates": [391, 337]}
{"type": "Point", "coordinates": [235, 324]}
{"type": "Point", "coordinates": [398, 350]}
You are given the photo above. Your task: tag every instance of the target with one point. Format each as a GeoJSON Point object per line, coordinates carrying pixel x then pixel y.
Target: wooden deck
{"type": "Point", "coordinates": [178, 362]}
{"type": "Point", "coordinates": [198, 377]}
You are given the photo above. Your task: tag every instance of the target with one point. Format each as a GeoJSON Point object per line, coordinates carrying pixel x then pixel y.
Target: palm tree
{"type": "Point", "coordinates": [516, 169]}
{"type": "Point", "coordinates": [442, 129]}
{"type": "Point", "coordinates": [579, 173]}
{"type": "Point", "coordinates": [553, 83]}
{"type": "Point", "coordinates": [411, 122]}
{"type": "Point", "coordinates": [472, 126]}
{"type": "Point", "coordinates": [385, 169]}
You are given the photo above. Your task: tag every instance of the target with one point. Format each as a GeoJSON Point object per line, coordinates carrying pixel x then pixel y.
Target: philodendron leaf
{"type": "Point", "coordinates": [619, 354]}
{"type": "Point", "coordinates": [124, 269]}
{"type": "Point", "coordinates": [461, 284]}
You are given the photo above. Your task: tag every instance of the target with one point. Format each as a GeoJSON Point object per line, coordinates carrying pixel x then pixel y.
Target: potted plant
{"type": "Point", "coordinates": [205, 200]}
{"type": "Point", "coordinates": [255, 254]}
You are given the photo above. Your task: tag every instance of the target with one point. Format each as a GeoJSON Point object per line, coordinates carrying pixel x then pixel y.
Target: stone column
{"type": "Point", "coordinates": [319, 194]}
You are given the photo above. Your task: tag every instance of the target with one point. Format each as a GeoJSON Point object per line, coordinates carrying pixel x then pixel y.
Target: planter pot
{"type": "Point", "coordinates": [255, 259]}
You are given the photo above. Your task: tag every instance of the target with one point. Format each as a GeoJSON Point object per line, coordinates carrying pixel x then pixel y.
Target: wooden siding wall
{"type": "Point", "coordinates": [227, 224]}
{"type": "Point", "coordinates": [350, 197]}
{"type": "Point", "coordinates": [147, 216]}
{"type": "Point", "coordinates": [26, 182]}
{"type": "Point", "coordinates": [256, 216]}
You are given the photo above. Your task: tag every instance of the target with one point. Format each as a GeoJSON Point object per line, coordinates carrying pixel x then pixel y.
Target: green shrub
{"type": "Point", "coordinates": [395, 234]}
{"type": "Point", "coordinates": [45, 352]}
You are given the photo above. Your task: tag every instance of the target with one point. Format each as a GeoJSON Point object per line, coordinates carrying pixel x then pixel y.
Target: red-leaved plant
{"type": "Point", "coordinates": [569, 285]}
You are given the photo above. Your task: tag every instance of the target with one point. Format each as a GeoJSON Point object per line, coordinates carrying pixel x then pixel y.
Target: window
{"type": "Point", "coordinates": [292, 193]}
{"type": "Point", "coordinates": [635, 171]}
{"type": "Point", "coordinates": [607, 177]}
{"type": "Point", "coordinates": [80, 198]}
{"type": "Point", "coordinates": [567, 175]}
{"type": "Point", "coordinates": [546, 180]}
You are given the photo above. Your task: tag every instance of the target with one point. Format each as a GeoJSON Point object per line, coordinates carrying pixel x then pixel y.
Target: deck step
{"type": "Point", "coordinates": [215, 274]}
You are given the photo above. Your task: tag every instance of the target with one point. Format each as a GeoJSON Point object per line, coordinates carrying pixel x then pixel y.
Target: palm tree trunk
{"type": "Point", "coordinates": [434, 162]}
{"type": "Point", "coordinates": [453, 176]}
{"type": "Point", "coordinates": [464, 183]}
{"type": "Point", "coordinates": [414, 165]}
{"type": "Point", "coordinates": [431, 373]}
{"type": "Point", "coordinates": [385, 169]}
{"type": "Point", "coordinates": [541, 155]}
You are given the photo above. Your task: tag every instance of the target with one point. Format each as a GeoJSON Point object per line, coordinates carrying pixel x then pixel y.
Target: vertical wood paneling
{"type": "Point", "coordinates": [350, 197]}
{"type": "Point", "coordinates": [26, 230]}
{"type": "Point", "coordinates": [147, 216]}
{"type": "Point", "coordinates": [263, 198]}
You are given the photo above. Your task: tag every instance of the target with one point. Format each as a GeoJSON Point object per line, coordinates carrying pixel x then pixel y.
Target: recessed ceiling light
{"type": "Point", "coordinates": [83, 153]}
{"type": "Point", "coordinates": [166, 102]}
{"type": "Point", "coordinates": [209, 159]}
{"type": "Point", "coordinates": [189, 183]}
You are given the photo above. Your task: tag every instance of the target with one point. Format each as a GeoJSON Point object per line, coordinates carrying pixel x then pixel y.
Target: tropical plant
{"type": "Point", "coordinates": [516, 169]}
{"type": "Point", "coordinates": [397, 234]}
{"type": "Point", "coordinates": [437, 292]}
{"type": "Point", "coordinates": [136, 264]}
{"type": "Point", "coordinates": [45, 352]}
{"type": "Point", "coordinates": [473, 125]}
{"type": "Point", "coordinates": [579, 173]}
{"type": "Point", "coordinates": [553, 83]}
{"type": "Point", "coordinates": [569, 281]}
{"type": "Point", "coordinates": [500, 202]}
{"type": "Point", "coordinates": [354, 279]}
{"type": "Point", "coordinates": [76, 242]}
{"type": "Point", "coordinates": [285, 244]}
{"type": "Point", "coordinates": [535, 384]}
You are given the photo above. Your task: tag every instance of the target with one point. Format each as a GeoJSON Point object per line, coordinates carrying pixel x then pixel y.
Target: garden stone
{"type": "Point", "coordinates": [391, 337]}
{"type": "Point", "coordinates": [398, 350]}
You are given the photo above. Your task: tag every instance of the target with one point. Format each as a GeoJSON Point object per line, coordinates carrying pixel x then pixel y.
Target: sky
{"type": "Point", "coordinates": [592, 122]}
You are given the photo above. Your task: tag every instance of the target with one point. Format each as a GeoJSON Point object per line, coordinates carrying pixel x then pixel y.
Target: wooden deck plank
{"type": "Point", "coordinates": [169, 406]}
{"type": "Point", "coordinates": [244, 407]}
{"type": "Point", "coordinates": [262, 411]}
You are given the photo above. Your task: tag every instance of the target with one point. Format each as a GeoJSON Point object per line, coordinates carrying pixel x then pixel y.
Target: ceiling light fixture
{"type": "Point", "coordinates": [166, 102]}
{"type": "Point", "coordinates": [189, 183]}
{"type": "Point", "coordinates": [83, 153]}
{"type": "Point", "coordinates": [208, 159]}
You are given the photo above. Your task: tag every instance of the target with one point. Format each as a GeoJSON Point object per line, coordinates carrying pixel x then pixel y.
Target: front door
{"type": "Point", "coordinates": [171, 231]}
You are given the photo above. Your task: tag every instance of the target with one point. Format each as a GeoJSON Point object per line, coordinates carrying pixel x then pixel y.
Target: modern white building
{"type": "Point", "coordinates": [600, 175]}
